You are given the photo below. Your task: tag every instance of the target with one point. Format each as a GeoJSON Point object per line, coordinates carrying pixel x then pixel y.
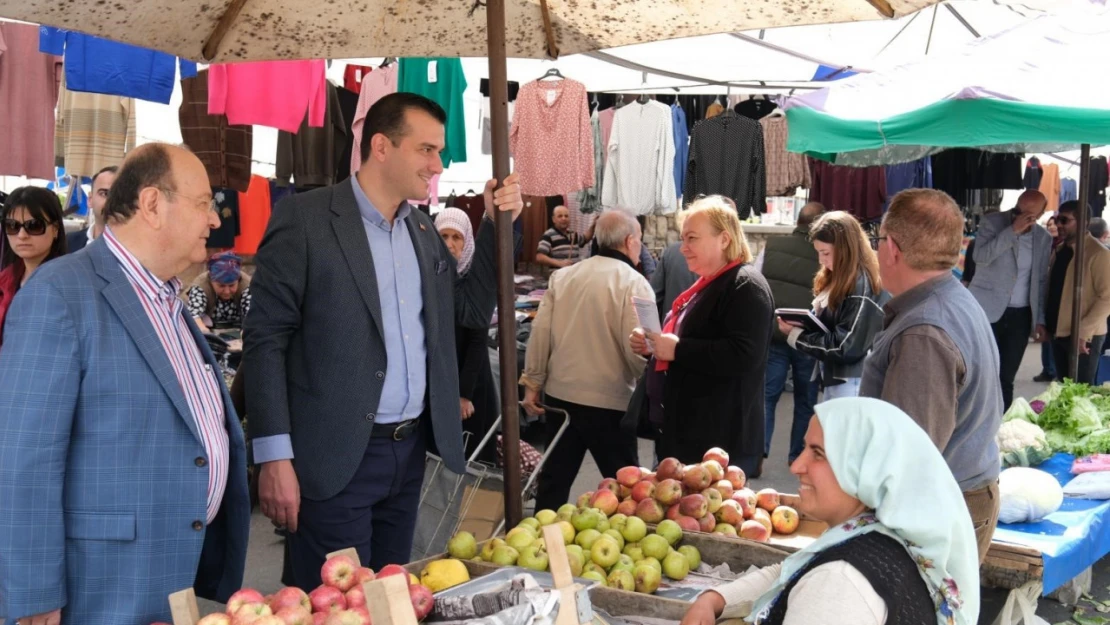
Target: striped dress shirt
{"type": "Point", "coordinates": [197, 379]}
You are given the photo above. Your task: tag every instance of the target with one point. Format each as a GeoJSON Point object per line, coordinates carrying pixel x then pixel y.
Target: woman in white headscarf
{"type": "Point", "coordinates": [899, 549]}
{"type": "Point", "coordinates": [477, 396]}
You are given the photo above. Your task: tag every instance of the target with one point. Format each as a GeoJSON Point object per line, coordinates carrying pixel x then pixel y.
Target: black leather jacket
{"type": "Point", "coordinates": [852, 326]}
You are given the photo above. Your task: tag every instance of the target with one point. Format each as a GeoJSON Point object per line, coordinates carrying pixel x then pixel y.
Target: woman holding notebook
{"type": "Point", "coordinates": [848, 301]}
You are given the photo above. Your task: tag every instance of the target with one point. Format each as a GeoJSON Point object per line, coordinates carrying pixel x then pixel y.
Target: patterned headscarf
{"type": "Point", "coordinates": [224, 268]}
{"type": "Point", "coordinates": [456, 219]}
{"type": "Point", "coordinates": [884, 459]}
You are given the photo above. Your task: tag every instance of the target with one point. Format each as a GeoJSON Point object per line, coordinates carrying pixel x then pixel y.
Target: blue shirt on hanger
{"type": "Point", "coordinates": [96, 65]}
{"type": "Point", "coordinates": [681, 146]}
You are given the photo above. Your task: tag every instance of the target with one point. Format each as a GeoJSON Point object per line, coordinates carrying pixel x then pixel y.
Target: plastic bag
{"type": "Point", "coordinates": [1024, 601]}
{"type": "Point", "coordinates": [1095, 485]}
{"type": "Point", "coordinates": [1028, 495]}
{"type": "Point", "coordinates": [1090, 464]}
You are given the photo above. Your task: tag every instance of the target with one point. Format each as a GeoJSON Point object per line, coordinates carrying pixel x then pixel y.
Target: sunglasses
{"type": "Point", "coordinates": [1064, 220]}
{"type": "Point", "coordinates": [34, 227]}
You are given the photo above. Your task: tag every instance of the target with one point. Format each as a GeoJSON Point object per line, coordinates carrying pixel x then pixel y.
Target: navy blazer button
{"type": "Point", "coordinates": [370, 417]}
{"type": "Point", "coordinates": [379, 375]}
{"type": "Point", "coordinates": [198, 526]}
{"type": "Point", "coordinates": [200, 461]}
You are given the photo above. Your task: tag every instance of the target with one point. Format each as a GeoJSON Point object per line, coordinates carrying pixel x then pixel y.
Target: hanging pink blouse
{"type": "Point", "coordinates": [552, 139]}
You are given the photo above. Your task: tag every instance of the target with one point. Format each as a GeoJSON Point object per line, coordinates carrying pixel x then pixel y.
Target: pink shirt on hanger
{"type": "Point", "coordinates": [375, 85]}
{"type": "Point", "coordinates": [552, 139]}
{"type": "Point", "coordinates": [269, 93]}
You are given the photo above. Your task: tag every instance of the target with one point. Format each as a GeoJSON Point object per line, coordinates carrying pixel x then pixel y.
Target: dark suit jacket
{"type": "Point", "coordinates": [713, 394]}
{"type": "Point", "coordinates": [314, 355]}
{"type": "Point", "coordinates": [76, 241]}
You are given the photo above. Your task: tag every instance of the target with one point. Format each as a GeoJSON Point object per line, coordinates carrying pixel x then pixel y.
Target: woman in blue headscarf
{"type": "Point", "coordinates": [899, 549]}
{"type": "Point", "coordinates": [221, 296]}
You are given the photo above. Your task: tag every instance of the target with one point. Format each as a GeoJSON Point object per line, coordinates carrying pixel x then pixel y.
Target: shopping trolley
{"type": "Point", "coordinates": [446, 497]}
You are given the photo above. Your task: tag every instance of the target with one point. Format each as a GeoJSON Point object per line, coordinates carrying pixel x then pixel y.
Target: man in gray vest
{"type": "Point", "coordinates": [936, 357]}
{"type": "Point", "coordinates": [789, 263]}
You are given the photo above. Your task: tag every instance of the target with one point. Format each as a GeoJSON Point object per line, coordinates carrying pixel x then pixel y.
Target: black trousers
{"type": "Point", "coordinates": [1088, 363]}
{"type": "Point", "coordinates": [1011, 333]}
{"type": "Point", "coordinates": [596, 430]}
{"type": "Point", "coordinates": [375, 513]}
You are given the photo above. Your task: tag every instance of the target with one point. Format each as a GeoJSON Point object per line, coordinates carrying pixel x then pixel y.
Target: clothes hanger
{"type": "Point", "coordinates": [387, 61]}
{"type": "Point", "coordinates": [644, 98]}
{"type": "Point", "coordinates": [552, 73]}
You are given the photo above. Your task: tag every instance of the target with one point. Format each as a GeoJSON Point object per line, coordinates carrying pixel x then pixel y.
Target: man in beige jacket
{"type": "Point", "coordinates": [1096, 296]}
{"type": "Point", "coordinates": [578, 354]}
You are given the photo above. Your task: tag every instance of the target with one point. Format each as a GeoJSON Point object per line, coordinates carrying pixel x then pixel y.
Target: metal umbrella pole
{"type": "Point", "coordinates": [506, 309]}
{"type": "Point", "coordinates": [1081, 219]}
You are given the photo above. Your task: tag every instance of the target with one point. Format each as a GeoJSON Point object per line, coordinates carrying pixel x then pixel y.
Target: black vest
{"type": "Point", "coordinates": [890, 570]}
{"type": "Point", "coordinates": [789, 265]}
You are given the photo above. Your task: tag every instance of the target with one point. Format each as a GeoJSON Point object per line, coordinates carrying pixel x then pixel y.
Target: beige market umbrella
{"type": "Point", "coordinates": [257, 30]}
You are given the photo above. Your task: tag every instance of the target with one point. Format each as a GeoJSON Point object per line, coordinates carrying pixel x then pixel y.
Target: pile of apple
{"type": "Point", "coordinates": [706, 497]}
{"type": "Point", "coordinates": [615, 551]}
{"type": "Point", "coordinates": [338, 601]}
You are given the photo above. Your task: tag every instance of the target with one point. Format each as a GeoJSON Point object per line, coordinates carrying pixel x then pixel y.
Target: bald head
{"type": "Point", "coordinates": [148, 165]}
{"type": "Point", "coordinates": [928, 228]}
{"type": "Point", "coordinates": [560, 218]}
{"type": "Point", "coordinates": [613, 227]}
{"type": "Point", "coordinates": [809, 213]}
{"type": "Point", "coordinates": [1032, 202]}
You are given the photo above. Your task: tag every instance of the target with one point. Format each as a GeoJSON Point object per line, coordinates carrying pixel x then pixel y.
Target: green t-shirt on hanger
{"type": "Point", "coordinates": [442, 80]}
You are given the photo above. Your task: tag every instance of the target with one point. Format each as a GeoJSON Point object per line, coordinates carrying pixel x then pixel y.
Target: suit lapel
{"type": "Point", "coordinates": [351, 233]}
{"type": "Point", "coordinates": [122, 298]}
{"type": "Point", "coordinates": [426, 259]}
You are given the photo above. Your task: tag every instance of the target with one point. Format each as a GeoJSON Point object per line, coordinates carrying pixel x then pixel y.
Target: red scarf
{"type": "Point", "coordinates": [681, 301]}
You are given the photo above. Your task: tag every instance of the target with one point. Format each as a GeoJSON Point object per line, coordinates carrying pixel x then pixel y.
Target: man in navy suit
{"type": "Point", "coordinates": [122, 462]}
{"type": "Point", "coordinates": [101, 185]}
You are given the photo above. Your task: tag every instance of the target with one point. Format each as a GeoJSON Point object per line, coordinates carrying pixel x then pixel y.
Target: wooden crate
{"type": "Point", "coordinates": [1010, 566]}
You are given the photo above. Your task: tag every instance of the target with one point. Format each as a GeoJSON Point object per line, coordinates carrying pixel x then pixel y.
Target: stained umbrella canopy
{"type": "Point", "coordinates": [1037, 87]}
{"type": "Point", "coordinates": [334, 29]}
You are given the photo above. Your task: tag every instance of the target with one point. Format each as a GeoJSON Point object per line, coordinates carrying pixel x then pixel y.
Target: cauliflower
{"type": "Point", "coordinates": [1022, 444]}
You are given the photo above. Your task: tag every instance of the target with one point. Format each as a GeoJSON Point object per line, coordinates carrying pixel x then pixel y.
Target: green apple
{"type": "Point", "coordinates": [568, 531]}
{"type": "Point", "coordinates": [593, 567]}
{"type": "Point", "coordinates": [602, 523]}
{"type": "Point", "coordinates": [634, 529]}
{"type": "Point", "coordinates": [586, 538]}
{"type": "Point", "coordinates": [616, 536]}
{"type": "Point", "coordinates": [693, 556]}
{"type": "Point", "coordinates": [647, 579]}
{"type": "Point", "coordinates": [676, 566]}
{"type": "Point", "coordinates": [621, 580]}
{"type": "Point", "coordinates": [595, 576]}
{"type": "Point", "coordinates": [633, 550]}
{"type": "Point", "coordinates": [566, 511]}
{"type": "Point", "coordinates": [653, 563]}
{"type": "Point", "coordinates": [576, 549]}
{"type": "Point", "coordinates": [530, 522]}
{"type": "Point", "coordinates": [617, 522]}
{"type": "Point", "coordinates": [624, 563]}
{"type": "Point", "coordinates": [655, 546]}
{"type": "Point", "coordinates": [533, 557]}
{"type": "Point", "coordinates": [505, 556]}
{"type": "Point", "coordinates": [605, 552]}
{"type": "Point", "coordinates": [462, 546]}
{"type": "Point", "coordinates": [584, 519]}
{"type": "Point", "coordinates": [670, 530]}
{"type": "Point", "coordinates": [576, 561]}
{"type": "Point", "coordinates": [520, 537]}
{"type": "Point", "coordinates": [490, 547]}
{"type": "Point", "coordinates": [546, 517]}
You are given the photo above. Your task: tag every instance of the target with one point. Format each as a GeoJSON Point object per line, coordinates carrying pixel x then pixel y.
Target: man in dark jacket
{"type": "Point", "coordinates": [789, 264]}
{"type": "Point", "coordinates": [101, 183]}
{"type": "Point", "coordinates": [672, 276]}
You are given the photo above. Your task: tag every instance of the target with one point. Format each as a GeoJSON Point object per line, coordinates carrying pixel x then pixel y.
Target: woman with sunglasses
{"type": "Point", "coordinates": [33, 234]}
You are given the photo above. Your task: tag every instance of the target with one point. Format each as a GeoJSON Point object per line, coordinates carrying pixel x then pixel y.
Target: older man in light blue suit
{"type": "Point", "coordinates": [122, 462]}
{"type": "Point", "coordinates": [1011, 279]}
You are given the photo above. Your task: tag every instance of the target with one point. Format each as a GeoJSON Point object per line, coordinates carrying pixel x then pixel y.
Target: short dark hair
{"type": "Point", "coordinates": [111, 169]}
{"type": "Point", "coordinates": [42, 204]}
{"type": "Point", "coordinates": [148, 166]}
{"type": "Point", "coordinates": [387, 117]}
{"type": "Point", "coordinates": [1072, 206]}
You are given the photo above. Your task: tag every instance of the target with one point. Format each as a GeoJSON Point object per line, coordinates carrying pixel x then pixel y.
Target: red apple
{"type": "Point", "coordinates": [344, 617]}
{"type": "Point", "coordinates": [768, 499]}
{"type": "Point", "coordinates": [643, 490]}
{"type": "Point", "coordinates": [610, 484]}
{"type": "Point", "coordinates": [340, 572]}
{"type": "Point", "coordinates": [694, 506]}
{"type": "Point", "coordinates": [746, 498]}
{"type": "Point", "coordinates": [365, 574]}
{"type": "Point", "coordinates": [713, 499]}
{"type": "Point", "coordinates": [266, 619]}
{"type": "Point", "coordinates": [393, 569]}
{"type": "Point", "coordinates": [319, 618]}
{"type": "Point", "coordinates": [422, 601]}
{"type": "Point", "coordinates": [730, 513]}
{"type": "Point", "coordinates": [735, 475]}
{"type": "Point", "coordinates": [240, 597]}
{"type": "Point", "coordinates": [289, 596]}
{"type": "Point", "coordinates": [668, 492]}
{"type": "Point", "coordinates": [754, 530]}
{"type": "Point", "coordinates": [725, 530]}
{"type": "Point", "coordinates": [687, 524]}
{"type": "Point", "coordinates": [697, 478]}
{"type": "Point", "coordinates": [294, 615]}
{"type": "Point", "coordinates": [707, 523]}
{"type": "Point", "coordinates": [785, 520]}
{"type": "Point", "coordinates": [606, 501]}
{"type": "Point", "coordinates": [670, 469]}
{"type": "Point", "coordinates": [763, 517]}
{"type": "Point", "coordinates": [629, 476]}
{"type": "Point", "coordinates": [717, 454]}
{"type": "Point", "coordinates": [248, 613]}
{"type": "Point", "coordinates": [650, 511]}
{"type": "Point", "coordinates": [625, 493]}
{"type": "Point", "coordinates": [583, 501]}
{"type": "Point", "coordinates": [673, 512]}
{"type": "Point", "coordinates": [363, 613]}
{"type": "Point", "coordinates": [327, 599]}
{"type": "Point", "coordinates": [716, 471]}
{"type": "Point", "coordinates": [627, 507]}
{"type": "Point", "coordinates": [645, 473]}
{"type": "Point", "coordinates": [355, 597]}
{"type": "Point", "coordinates": [724, 487]}
{"type": "Point", "coordinates": [218, 618]}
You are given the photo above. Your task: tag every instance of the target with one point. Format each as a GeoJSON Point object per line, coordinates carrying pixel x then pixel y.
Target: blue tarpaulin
{"type": "Point", "coordinates": [1071, 539]}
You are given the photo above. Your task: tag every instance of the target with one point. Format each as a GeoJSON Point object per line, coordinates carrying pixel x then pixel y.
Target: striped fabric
{"type": "Point", "coordinates": [92, 131]}
{"type": "Point", "coordinates": [198, 380]}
